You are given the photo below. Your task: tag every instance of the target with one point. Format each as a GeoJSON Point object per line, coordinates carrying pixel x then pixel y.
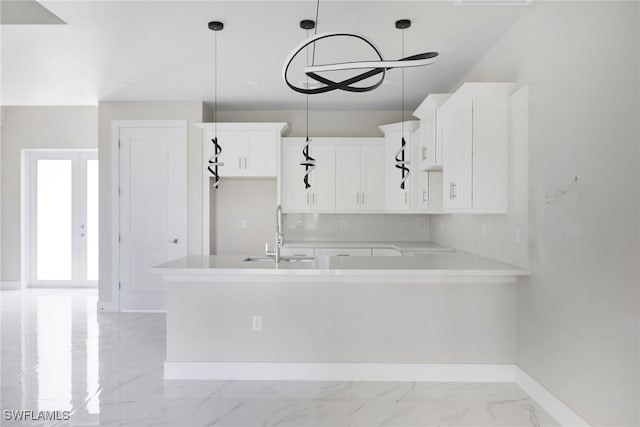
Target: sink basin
{"type": "Point", "coordinates": [282, 258]}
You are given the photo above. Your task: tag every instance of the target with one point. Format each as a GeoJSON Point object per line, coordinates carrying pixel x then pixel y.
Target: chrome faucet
{"type": "Point", "coordinates": [279, 237]}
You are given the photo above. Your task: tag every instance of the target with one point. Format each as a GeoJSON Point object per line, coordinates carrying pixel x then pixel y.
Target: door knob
{"type": "Point", "coordinates": [174, 241]}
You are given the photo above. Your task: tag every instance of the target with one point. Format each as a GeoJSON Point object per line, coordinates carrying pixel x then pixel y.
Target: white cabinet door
{"type": "Point", "coordinates": [342, 251]}
{"type": "Point", "coordinates": [348, 194]}
{"type": "Point", "coordinates": [372, 180]}
{"type": "Point", "coordinates": [289, 251]}
{"type": "Point", "coordinates": [385, 252]}
{"type": "Point", "coordinates": [430, 151]}
{"type": "Point", "coordinates": [427, 152]}
{"type": "Point", "coordinates": [323, 178]}
{"type": "Point", "coordinates": [247, 153]}
{"type": "Point", "coordinates": [260, 159]}
{"type": "Point", "coordinates": [295, 197]}
{"type": "Point", "coordinates": [421, 191]}
{"type": "Point", "coordinates": [458, 138]}
{"type": "Point", "coordinates": [321, 195]}
{"type": "Point", "coordinates": [234, 151]}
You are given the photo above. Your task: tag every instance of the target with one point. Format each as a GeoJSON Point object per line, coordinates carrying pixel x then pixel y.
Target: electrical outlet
{"type": "Point", "coordinates": [243, 224]}
{"type": "Point", "coordinates": [343, 224]}
{"type": "Point", "coordinates": [256, 323]}
{"type": "Point", "coordinates": [299, 223]}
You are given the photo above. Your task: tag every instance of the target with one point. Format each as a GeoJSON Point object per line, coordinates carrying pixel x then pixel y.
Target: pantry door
{"type": "Point", "coordinates": [63, 218]}
{"type": "Point", "coordinates": [153, 209]}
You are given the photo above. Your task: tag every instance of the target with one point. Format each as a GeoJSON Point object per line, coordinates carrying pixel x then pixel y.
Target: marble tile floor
{"type": "Point", "coordinates": [57, 353]}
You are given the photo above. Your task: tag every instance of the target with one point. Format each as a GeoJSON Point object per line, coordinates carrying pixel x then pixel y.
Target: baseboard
{"type": "Point", "coordinates": [10, 285]}
{"type": "Point", "coordinates": [107, 307]}
{"type": "Point", "coordinates": [338, 372]}
{"type": "Point", "coordinates": [554, 406]}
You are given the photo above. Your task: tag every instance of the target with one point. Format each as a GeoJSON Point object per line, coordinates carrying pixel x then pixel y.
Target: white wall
{"type": "Point", "coordinates": [578, 317]}
{"type": "Point", "coordinates": [34, 128]}
{"type": "Point", "coordinates": [241, 199]}
{"type": "Point", "coordinates": [109, 111]}
{"type": "Point", "coordinates": [321, 123]}
{"type": "Point", "coordinates": [357, 227]}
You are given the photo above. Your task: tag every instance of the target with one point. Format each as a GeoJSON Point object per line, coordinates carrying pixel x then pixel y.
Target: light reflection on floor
{"type": "Point", "coordinates": [57, 353]}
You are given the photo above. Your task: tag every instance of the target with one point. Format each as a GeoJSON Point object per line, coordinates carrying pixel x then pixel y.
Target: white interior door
{"type": "Point", "coordinates": [153, 210]}
{"type": "Point", "coordinates": [63, 218]}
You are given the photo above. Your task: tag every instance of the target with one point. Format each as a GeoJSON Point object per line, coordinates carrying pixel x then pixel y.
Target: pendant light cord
{"type": "Point", "coordinates": [307, 77]}
{"type": "Point", "coordinates": [315, 32]}
{"type": "Point", "coordinates": [215, 84]}
{"type": "Point", "coordinates": [402, 112]}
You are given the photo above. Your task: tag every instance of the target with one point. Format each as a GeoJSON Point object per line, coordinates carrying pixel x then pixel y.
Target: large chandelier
{"type": "Point", "coordinates": [375, 67]}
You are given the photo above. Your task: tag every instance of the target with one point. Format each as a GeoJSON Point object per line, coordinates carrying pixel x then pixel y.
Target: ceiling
{"type": "Point", "coordinates": [159, 51]}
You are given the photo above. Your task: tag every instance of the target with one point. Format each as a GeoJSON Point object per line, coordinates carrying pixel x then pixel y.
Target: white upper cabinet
{"type": "Point", "coordinates": [320, 196]}
{"type": "Point", "coordinates": [248, 149]}
{"type": "Point", "coordinates": [430, 149]}
{"type": "Point", "coordinates": [398, 199]}
{"type": "Point", "coordinates": [426, 186]}
{"type": "Point", "coordinates": [360, 175]}
{"type": "Point", "coordinates": [475, 129]}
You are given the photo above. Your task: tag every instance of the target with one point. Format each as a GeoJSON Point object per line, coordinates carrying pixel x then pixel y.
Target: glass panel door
{"type": "Point", "coordinates": [53, 219]}
{"type": "Point", "coordinates": [63, 213]}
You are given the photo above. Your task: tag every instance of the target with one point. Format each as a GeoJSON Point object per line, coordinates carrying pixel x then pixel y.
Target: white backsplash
{"type": "Point", "coordinates": [355, 227]}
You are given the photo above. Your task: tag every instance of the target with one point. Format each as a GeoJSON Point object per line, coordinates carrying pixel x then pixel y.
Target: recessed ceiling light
{"type": "Point", "coordinates": [124, 84]}
{"type": "Point", "coordinates": [253, 82]}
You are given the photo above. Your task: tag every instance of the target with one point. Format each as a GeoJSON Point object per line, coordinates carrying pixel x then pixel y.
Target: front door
{"type": "Point", "coordinates": [63, 218]}
{"type": "Point", "coordinates": [153, 210]}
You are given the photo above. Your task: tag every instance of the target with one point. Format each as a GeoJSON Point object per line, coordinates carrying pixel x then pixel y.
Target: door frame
{"type": "Point", "coordinates": [28, 219]}
{"type": "Point", "coordinates": [116, 126]}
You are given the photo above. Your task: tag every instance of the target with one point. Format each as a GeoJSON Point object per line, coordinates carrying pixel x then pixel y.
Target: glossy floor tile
{"type": "Point", "coordinates": [58, 354]}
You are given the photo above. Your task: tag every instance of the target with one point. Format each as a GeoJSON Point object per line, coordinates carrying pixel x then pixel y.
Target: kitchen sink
{"type": "Point", "coordinates": [282, 258]}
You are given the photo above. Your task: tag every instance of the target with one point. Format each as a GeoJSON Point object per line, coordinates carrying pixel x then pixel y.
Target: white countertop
{"type": "Point", "coordinates": [434, 267]}
{"type": "Point", "coordinates": [404, 247]}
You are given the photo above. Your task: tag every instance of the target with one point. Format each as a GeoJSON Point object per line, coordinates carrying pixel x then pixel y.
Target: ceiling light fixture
{"type": "Point", "coordinates": [309, 162]}
{"type": "Point", "coordinates": [214, 163]}
{"type": "Point", "coordinates": [401, 162]}
{"type": "Point", "coordinates": [375, 67]}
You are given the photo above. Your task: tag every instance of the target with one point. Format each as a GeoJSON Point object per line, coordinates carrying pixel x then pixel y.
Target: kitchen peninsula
{"type": "Point", "coordinates": [240, 317]}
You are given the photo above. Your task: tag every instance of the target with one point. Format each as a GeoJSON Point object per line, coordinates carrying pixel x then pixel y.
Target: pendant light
{"type": "Point", "coordinates": [401, 162]}
{"type": "Point", "coordinates": [309, 162]}
{"type": "Point", "coordinates": [375, 67]}
{"type": "Point", "coordinates": [214, 162]}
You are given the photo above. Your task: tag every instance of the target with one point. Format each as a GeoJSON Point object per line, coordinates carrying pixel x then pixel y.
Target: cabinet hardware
{"type": "Point", "coordinates": [314, 197]}
{"type": "Point", "coordinates": [424, 153]}
{"type": "Point", "coordinates": [363, 198]}
{"type": "Point", "coordinates": [405, 197]}
{"type": "Point", "coordinates": [239, 162]}
{"type": "Point", "coordinates": [174, 241]}
{"type": "Point", "coordinates": [424, 196]}
{"type": "Point", "coordinates": [452, 190]}
{"type": "Point", "coordinates": [245, 162]}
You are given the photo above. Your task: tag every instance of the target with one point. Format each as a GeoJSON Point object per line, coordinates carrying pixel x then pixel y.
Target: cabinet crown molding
{"type": "Point", "coordinates": [410, 125]}
{"type": "Point", "coordinates": [281, 127]}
